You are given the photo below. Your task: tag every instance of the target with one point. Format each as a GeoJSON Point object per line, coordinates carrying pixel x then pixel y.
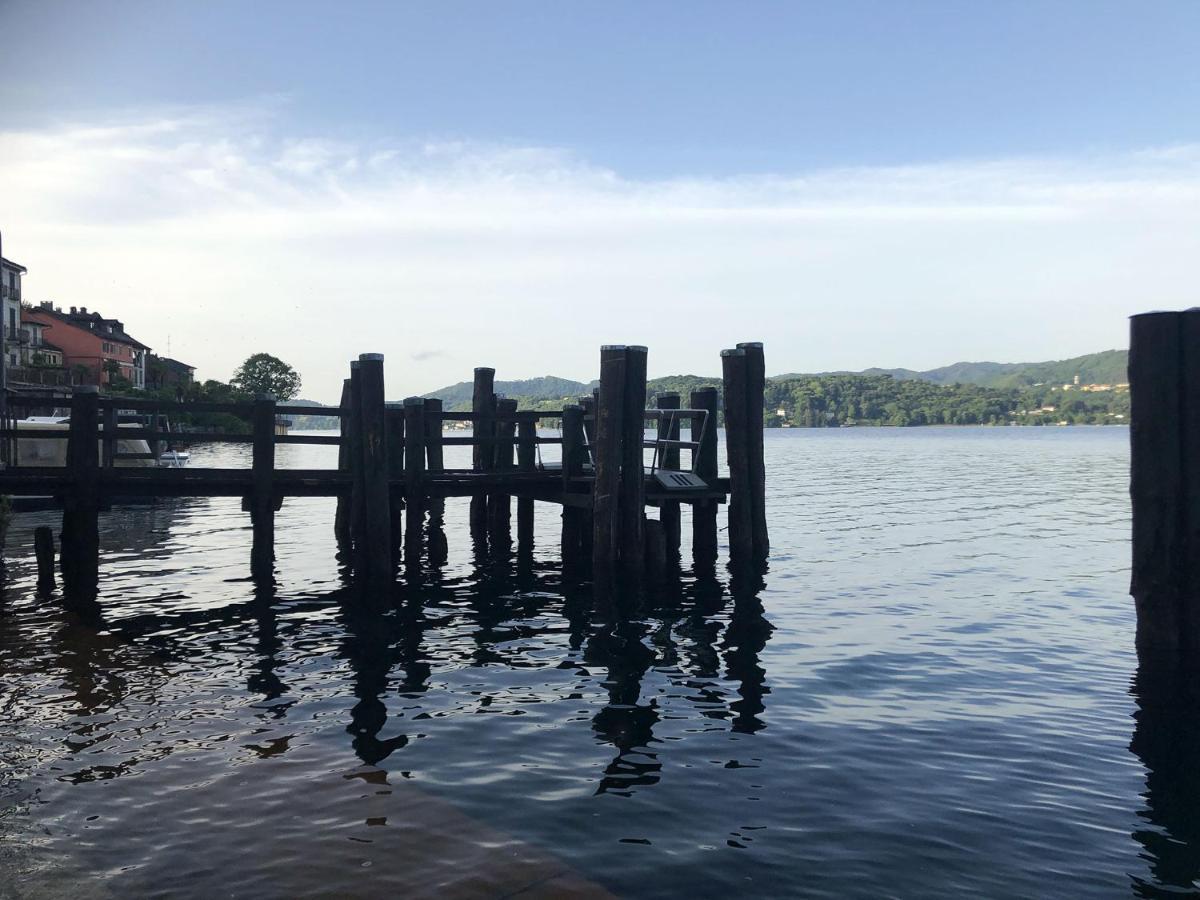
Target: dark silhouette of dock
{"type": "Point", "coordinates": [391, 480]}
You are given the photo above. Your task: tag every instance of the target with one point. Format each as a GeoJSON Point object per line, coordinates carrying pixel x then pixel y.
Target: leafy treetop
{"type": "Point", "coordinates": [263, 373]}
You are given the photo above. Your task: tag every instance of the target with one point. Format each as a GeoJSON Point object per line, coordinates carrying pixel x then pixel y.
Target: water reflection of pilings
{"type": "Point", "coordinates": [264, 674]}
{"type": "Point", "coordinates": [628, 648]}
{"type": "Point", "coordinates": [1166, 738]}
{"type": "Point", "coordinates": [623, 721]}
{"type": "Point", "coordinates": [376, 641]}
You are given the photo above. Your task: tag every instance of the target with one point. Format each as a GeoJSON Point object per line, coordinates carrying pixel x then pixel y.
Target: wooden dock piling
{"type": "Point", "coordinates": [81, 507]}
{"type": "Point", "coordinates": [609, 431]}
{"type": "Point", "coordinates": [504, 431]}
{"type": "Point", "coordinates": [262, 500]}
{"type": "Point", "coordinates": [108, 437]}
{"type": "Point", "coordinates": [756, 381]}
{"type": "Point", "coordinates": [668, 431]}
{"type": "Point", "coordinates": [355, 454]}
{"type": "Point", "coordinates": [376, 506]}
{"type": "Point", "coordinates": [483, 406]}
{"type": "Point", "coordinates": [526, 462]}
{"type": "Point", "coordinates": [414, 477]}
{"type": "Point", "coordinates": [574, 454]}
{"type": "Point", "coordinates": [434, 460]}
{"type": "Point", "coordinates": [704, 512]}
{"type": "Point", "coordinates": [341, 516]}
{"type": "Point", "coordinates": [741, 534]}
{"type": "Point", "coordinates": [1164, 388]}
{"type": "Point", "coordinates": [656, 551]}
{"type": "Point", "coordinates": [43, 548]}
{"type": "Point", "coordinates": [394, 426]}
{"type": "Point", "coordinates": [632, 538]}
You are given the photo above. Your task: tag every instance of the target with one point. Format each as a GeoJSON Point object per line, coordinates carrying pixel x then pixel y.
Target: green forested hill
{"type": "Point", "coordinates": [527, 392]}
{"type": "Point", "coordinates": [818, 401]}
{"type": "Point", "coordinates": [960, 394]}
{"type": "Point", "coordinates": [1106, 367]}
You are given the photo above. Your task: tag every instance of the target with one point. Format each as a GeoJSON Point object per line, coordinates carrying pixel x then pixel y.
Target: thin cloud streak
{"type": "Point", "coordinates": [232, 239]}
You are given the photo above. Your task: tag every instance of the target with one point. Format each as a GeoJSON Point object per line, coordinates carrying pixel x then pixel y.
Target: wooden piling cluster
{"type": "Point", "coordinates": [391, 479]}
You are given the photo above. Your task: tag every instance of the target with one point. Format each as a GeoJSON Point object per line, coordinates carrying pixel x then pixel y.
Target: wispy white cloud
{"type": "Point", "coordinates": [209, 227]}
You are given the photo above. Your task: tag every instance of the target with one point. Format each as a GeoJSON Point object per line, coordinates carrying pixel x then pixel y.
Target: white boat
{"type": "Point", "coordinates": [173, 459]}
{"type": "Point", "coordinates": [52, 451]}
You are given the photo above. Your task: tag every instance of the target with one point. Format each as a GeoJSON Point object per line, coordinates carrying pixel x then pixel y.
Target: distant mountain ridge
{"type": "Point", "coordinates": [1106, 367]}
{"type": "Point", "coordinates": [547, 387]}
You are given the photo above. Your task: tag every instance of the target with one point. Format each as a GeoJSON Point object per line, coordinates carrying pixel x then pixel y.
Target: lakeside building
{"type": "Point", "coordinates": [95, 350]}
{"type": "Point", "coordinates": [10, 290]}
{"type": "Point", "coordinates": [162, 372]}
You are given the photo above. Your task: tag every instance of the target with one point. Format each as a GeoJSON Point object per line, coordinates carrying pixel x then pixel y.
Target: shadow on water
{"type": "Point", "coordinates": [1166, 738]}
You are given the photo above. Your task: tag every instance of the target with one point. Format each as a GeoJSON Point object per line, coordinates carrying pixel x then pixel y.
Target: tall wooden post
{"type": "Point", "coordinates": [483, 405]}
{"type": "Point", "coordinates": [435, 528]}
{"type": "Point", "coordinates": [108, 434]}
{"type": "Point", "coordinates": [262, 501]}
{"type": "Point", "coordinates": [633, 484]}
{"type": "Point", "coordinates": [668, 430]}
{"type": "Point", "coordinates": [394, 424]}
{"type": "Point", "coordinates": [414, 479]}
{"type": "Point", "coordinates": [341, 517]}
{"type": "Point", "coordinates": [81, 507]}
{"type": "Point", "coordinates": [1164, 388]}
{"type": "Point", "coordinates": [656, 552]}
{"type": "Point", "coordinates": [741, 535]}
{"type": "Point", "coordinates": [526, 462]}
{"type": "Point", "coordinates": [704, 512]}
{"type": "Point", "coordinates": [573, 455]}
{"type": "Point", "coordinates": [356, 470]}
{"type": "Point", "coordinates": [43, 548]}
{"type": "Point", "coordinates": [609, 429]}
{"type": "Point", "coordinates": [756, 382]}
{"type": "Point", "coordinates": [376, 510]}
{"type": "Point", "coordinates": [434, 459]}
{"type": "Point", "coordinates": [500, 505]}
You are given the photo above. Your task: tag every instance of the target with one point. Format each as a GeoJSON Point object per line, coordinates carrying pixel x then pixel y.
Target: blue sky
{"type": "Point", "coordinates": [648, 88]}
{"type": "Point", "coordinates": [921, 182]}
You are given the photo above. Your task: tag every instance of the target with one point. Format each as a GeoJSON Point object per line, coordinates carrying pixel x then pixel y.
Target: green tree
{"type": "Point", "coordinates": [263, 373]}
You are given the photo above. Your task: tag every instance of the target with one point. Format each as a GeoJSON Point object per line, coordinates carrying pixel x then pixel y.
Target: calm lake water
{"type": "Point", "coordinates": [935, 695]}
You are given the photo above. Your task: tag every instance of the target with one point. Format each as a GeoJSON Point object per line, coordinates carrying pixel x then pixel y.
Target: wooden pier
{"type": "Point", "coordinates": [391, 482]}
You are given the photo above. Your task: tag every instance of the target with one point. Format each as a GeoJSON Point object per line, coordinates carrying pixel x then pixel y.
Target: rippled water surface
{"type": "Point", "coordinates": [934, 695]}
